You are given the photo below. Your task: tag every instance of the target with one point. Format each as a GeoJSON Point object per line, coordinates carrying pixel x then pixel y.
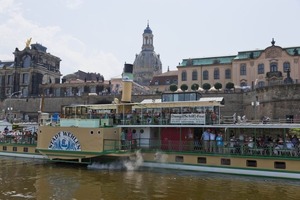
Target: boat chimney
{"type": "Point", "coordinates": [127, 78]}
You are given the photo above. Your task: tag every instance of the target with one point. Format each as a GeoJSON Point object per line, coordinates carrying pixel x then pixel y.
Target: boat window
{"type": "Point", "coordinates": [15, 149]}
{"type": "Point", "coordinates": [202, 160]}
{"type": "Point", "coordinates": [25, 149]}
{"type": "Point", "coordinates": [279, 165]}
{"type": "Point", "coordinates": [225, 161]}
{"type": "Point", "coordinates": [179, 159]}
{"type": "Point", "coordinates": [4, 148]}
{"type": "Point", "coordinates": [251, 163]}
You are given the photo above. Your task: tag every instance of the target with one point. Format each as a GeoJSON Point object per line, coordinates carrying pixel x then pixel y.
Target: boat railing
{"type": "Point", "coordinates": [227, 148]}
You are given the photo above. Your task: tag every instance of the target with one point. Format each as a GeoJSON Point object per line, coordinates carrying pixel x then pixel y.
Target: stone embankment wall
{"type": "Point", "coordinates": [275, 102]}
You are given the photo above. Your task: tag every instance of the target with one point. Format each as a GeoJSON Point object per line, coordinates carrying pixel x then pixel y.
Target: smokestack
{"type": "Point", "coordinates": [127, 78]}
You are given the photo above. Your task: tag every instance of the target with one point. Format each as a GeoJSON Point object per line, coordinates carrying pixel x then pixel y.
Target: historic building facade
{"type": "Point", "coordinates": [259, 68]}
{"type": "Point", "coordinates": [162, 82]}
{"type": "Point", "coordinates": [147, 63]}
{"type": "Point", "coordinates": [31, 67]}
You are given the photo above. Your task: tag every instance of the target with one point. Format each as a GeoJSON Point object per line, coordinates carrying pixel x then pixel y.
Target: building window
{"type": "Point", "coordinates": [9, 79]}
{"type": "Point", "coordinates": [183, 76]}
{"type": "Point", "coordinates": [286, 66]}
{"type": "Point", "coordinates": [261, 84]}
{"type": "Point", "coordinates": [25, 149]}
{"type": "Point", "coordinates": [205, 75]}
{"type": "Point", "coordinates": [228, 74]}
{"type": "Point", "coordinates": [167, 82]}
{"type": "Point", "coordinates": [261, 69]}
{"type": "Point", "coordinates": [243, 70]}
{"type": "Point", "coordinates": [156, 83]}
{"type": "Point", "coordinates": [279, 165]}
{"type": "Point", "coordinates": [25, 77]}
{"type": "Point", "coordinates": [194, 75]}
{"type": "Point", "coordinates": [216, 74]}
{"type": "Point", "coordinates": [273, 67]}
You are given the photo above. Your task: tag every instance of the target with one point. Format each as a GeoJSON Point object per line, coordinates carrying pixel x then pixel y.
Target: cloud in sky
{"type": "Point", "coordinates": [75, 54]}
{"type": "Point", "coordinates": [100, 35]}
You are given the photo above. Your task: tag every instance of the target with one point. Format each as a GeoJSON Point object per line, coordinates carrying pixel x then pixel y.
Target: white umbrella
{"type": "Point", "coordinates": [212, 89]}
{"type": "Point", "coordinates": [200, 89]}
{"type": "Point", "coordinates": [178, 90]}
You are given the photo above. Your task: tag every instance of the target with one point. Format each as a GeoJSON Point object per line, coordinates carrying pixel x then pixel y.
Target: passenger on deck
{"type": "Point", "coordinates": [205, 138]}
{"type": "Point", "coordinates": [220, 142]}
{"type": "Point", "coordinates": [212, 141]}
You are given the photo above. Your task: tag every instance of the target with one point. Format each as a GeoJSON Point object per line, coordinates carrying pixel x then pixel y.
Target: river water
{"type": "Point", "coordinates": [35, 179]}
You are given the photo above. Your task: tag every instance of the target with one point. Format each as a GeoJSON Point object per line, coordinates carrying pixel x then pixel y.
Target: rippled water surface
{"type": "Point", "coordinates": [34, 179]}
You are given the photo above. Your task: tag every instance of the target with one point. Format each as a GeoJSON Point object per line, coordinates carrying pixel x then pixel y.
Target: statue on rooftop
{"type": "Point", "coordinates": [28, 42]}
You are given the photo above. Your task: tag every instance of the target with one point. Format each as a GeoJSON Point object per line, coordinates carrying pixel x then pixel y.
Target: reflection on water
{"type": "Point", "coordinates": [33, 179]}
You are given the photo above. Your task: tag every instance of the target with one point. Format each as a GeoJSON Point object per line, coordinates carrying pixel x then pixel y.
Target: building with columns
{"type": "Point", "coordinates": [253, 69]}
{"type": "Point", "coordinates": [147, 63]}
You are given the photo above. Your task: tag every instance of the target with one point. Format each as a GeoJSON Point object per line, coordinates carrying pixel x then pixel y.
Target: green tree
{"type": "Point", "coordinates": [184, 87]}
{"type": "Point", "coordinates": [206, 86]}
{"type": "Point", "coordinates": [229, 85]}
{"type": "Point", "coordinates": [218, 86]}
{"type": "Point", "coordinates": [173, 87]}
{"type": "Point", "coordinates": [195, 87]}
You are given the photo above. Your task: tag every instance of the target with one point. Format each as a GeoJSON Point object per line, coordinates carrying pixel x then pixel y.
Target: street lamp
{"type": "Point", "coordinates": [254, 104]}
{"type": "Point", "coordinates": [10, 108]}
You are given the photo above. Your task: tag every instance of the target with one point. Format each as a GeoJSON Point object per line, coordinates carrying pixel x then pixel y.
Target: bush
{"type": "Point", "coordinates": [173, 87]}
{"type": "Point", "coordinates": [206, 86]}
{"type": "Point", "coordinates": [195, 87]}
{"type": "Point", "coordinates": [229, 85]}
{"type": "Point", "coordinates": [184, 87]}
{"type": "Point", "coordinates": [218, 86]}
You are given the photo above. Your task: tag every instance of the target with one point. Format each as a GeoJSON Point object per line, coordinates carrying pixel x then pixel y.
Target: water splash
{"type": "Point", "coordinates": [130, 164]}
{"type": "Point", "coordinates": [160, 157]}
{"type": "Point", "coordinates": [134, 161]}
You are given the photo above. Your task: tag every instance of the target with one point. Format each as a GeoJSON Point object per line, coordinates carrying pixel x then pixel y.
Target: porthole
{"type": "Point", "coordinates": [98, 132]}
{"type": "Point", "coordinates": [92, 132]}
{"type": "Point", "coordinates": [142, 131]}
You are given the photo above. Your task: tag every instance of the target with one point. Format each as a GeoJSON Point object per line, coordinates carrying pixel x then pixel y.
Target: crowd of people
{"type": "Point", "coordinates": [18, 136]}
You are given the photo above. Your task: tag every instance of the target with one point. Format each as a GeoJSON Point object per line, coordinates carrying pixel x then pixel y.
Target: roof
{"type": "Point", "coordinates": [166, 78]}
{"type": "Point", "coordinates": [6, 64]}
{"type": "Point", "coordinates": [248, 54]}
{"type": "Point", "coordinates": [207, 61]}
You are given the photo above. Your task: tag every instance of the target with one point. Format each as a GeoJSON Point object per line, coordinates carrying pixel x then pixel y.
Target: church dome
{"type": "Point", "coordinates": [147, 63]}
{"type": "Point", "coordinates": [148, 30]}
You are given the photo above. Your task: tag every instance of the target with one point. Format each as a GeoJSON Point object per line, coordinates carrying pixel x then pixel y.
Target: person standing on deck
{"type": "Point", "coordinates": [220, 142]}
{"type": "Point", "coordinates": [123, 140]}
{"type": "Point", "coordinates": [212, 141]}
{"type": "Point", "coordinates": [205, 138]}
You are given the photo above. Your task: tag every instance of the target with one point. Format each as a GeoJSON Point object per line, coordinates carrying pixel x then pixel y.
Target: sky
{"type": "Point", "coordinates": [99, 36]}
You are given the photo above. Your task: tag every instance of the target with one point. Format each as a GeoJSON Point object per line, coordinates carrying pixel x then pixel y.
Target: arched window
{"type": "Point", "coordinates": [261, 69]}
{"type": "Point", "coordinates": [228, 74]}
{"type": "Point", "coordinates": [273, 67]}
{"type": "Point", "coordinates": [205, 75]}
{"type": "Point", "coordinates": [194, 75]}
{"type": "Point", "coordinates": [243, 70]}
{"type": "Point", "coordinates": [183, 76]}
{"type": "Point", "coordinates": [286, 66]}
{"type": "Point", "coordinates": [216, 74]}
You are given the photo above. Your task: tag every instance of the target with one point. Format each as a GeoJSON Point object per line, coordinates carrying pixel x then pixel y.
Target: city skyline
{"type": "Point", "coordinates": [100, 36]}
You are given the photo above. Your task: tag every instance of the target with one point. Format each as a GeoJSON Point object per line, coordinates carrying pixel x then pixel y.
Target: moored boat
{"type": "Point", "coordinates": [184, 131]}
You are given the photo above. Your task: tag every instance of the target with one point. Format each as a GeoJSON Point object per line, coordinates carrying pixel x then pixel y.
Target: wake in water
{"type": "Point", "coordinates": [130, 164]}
